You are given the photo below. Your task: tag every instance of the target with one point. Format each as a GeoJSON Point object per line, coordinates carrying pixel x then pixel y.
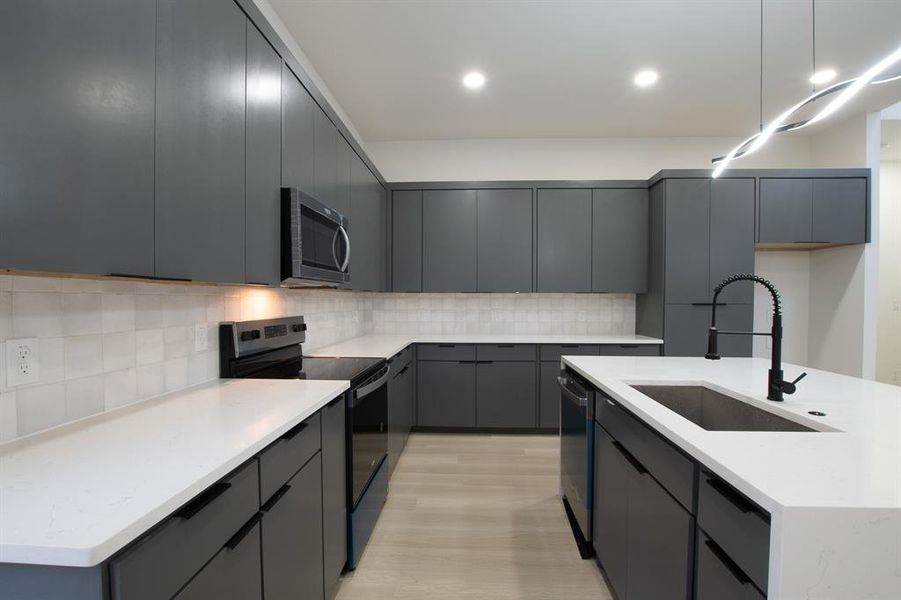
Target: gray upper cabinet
{"type": "Point", "coordinates": [504, 225]}
{"type": "Point", "coordinates": [687, 235]}
{"type": "Point", "coordinates": [263, 160]}
{"type": "Point", "coordinates": [406, 246]}
{"type": "Point", "coordinates": [346, 158]}
{"type": "Point", "coordinates": [325, 158]}
{"type": "Point", "coordinates": [368, 230]}
{"type": "Point", "coordinates": [76, 136]}
{"type": "Point", "coordinates": [619, 245]}
{"type": "Point", "coordinates": [564, 240]}
{"type": "Point", "coordinates": [200, 106]}
{"type": "Point", "coordinates": [827, 210]}
{"type": "Point", "coordinates": [840, 210]}
{"type": "Point", "coordinates": [297, 133]}
{"type": "Point", "coordinates": [732, 236]}
{"type": "Point", "coordinates": [449, 241]}
{"type": "Point", "coordinates": [786, 206]}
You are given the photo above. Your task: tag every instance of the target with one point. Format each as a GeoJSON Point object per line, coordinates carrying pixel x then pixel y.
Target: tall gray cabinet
{"type": "Point", "coordinates": [702, 231]}
{"type": "Point", "coordinates": [76, 136]}
{"type": "Point", "coordinates": [200, 107]}
{"type": "Point", "coordinates": [368, 230]}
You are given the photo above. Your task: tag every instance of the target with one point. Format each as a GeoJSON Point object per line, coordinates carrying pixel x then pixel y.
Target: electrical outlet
{"type": "Point", "coordinates": [201, 342]}
{"type": "Point", "coordinates": [22, 362]}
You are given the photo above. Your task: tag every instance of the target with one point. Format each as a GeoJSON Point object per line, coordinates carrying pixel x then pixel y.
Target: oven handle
{"type": "Point", "coordinates": [363, 391]}
{"type": "Point", "coordinates": [579, 396]}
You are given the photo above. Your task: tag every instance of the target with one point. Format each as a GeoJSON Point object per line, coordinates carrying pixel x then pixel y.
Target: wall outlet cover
{"type": "Point", "coordinates": [22, 362]}
{"type": "Point", "coordinates": [201, 342]}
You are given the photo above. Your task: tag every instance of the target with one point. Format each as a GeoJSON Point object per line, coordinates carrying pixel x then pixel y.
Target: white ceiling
{"type": "Point", "coordinates": [564, 68]}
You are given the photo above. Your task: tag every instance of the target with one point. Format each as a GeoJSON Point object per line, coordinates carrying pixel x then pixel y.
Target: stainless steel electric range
{"type": "Point", "coordinates": [272, 349]}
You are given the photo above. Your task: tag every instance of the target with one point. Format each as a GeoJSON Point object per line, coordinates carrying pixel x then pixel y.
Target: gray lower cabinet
{"type": "Point", "coordinates": [263, 161]}
{"type": "Point", "coordinates": [506, 395]}
{"type": "Point", "coordinates": [504, 244]}
{"type": "Point", "coordinates": [548, 395]}
{"type": "Point", "coordinates": [400, 411]}
{"type": "Point", "coordinates": [76, 136]}
{"type": "Point", "coordinates": [610, 527]}
{"type": "Point", "coordinates": [564, 240]}
{"type": "Point", "coordinates": [234, 573]}
{"type": "Point", "coordinates": [298, 149]}
{"type": "Point", "coordinates": [449, 241]}
{"type": "Point", "coordinates": [334, 495]}
{"type": "Point", "coordinates": [686, 327]}
{"type": "Point", "coordinates": [406, 241]}
{"type": "Point", "coordinates": [199, 160]}
{"type": "Point", "coordinates": [292, 537]}
{"type": "Point", "coordinates": [368, 230]}
{"type": "Point", "coordinates": [719, 577]}
{"type": "Point", "coordinates": [446, 394]}
{"type": "Point", "coordinates": [619, 240]}
{"type": "Point", "coordinates": [828, 210]}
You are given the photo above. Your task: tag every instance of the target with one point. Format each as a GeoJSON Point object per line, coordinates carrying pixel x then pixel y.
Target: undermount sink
{"type": "Point", "coordinates": [714, 411]}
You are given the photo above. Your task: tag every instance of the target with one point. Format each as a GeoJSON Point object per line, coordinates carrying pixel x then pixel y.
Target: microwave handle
{"type": "Point", "coordinates": [343, 233]}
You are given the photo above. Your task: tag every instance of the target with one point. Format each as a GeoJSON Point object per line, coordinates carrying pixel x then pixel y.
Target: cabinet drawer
{"type": "Point", "coordinates": [401, 359]}
{"type": "Point", "coordinates": [719, 577]}
{"type": "Point", "coordinates": [673, 470]}
{"type": "Point", "coordinates": [737, 525]}
{"type": "Point", "coordinates": [234, 573]}
{"type": "Point", "coordinates": [446, 352]}
{"type": "Point", "coordinates": [285, 456]}
{"type": "Point", "coordinates": [158, 565]}
{"type": "Point", "coordinates": [523, 352]}
{"type": "Point", "coordinates": [630, 350]}
{"type": "Point", "coordinates": [555, 351]}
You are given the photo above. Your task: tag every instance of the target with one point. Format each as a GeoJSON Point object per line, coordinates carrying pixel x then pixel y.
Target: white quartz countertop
{"type": "Point", "coordinates": [857, 463]}
{"type": "Point", "coordinates": [386, 346]}
{"type": "Point", "coordinates": [76, 495]}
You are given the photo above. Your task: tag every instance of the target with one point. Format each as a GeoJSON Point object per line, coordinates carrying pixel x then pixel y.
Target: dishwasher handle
{"type": "Point", "coordinates": [573, 391]}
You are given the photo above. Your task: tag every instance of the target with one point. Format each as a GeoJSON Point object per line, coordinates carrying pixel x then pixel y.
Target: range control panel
{"type": "Point", "coordinates": [240, 338]}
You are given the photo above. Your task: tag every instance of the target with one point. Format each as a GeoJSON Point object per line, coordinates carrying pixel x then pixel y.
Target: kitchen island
{"type": "Point", "coordinates": [833, 495]}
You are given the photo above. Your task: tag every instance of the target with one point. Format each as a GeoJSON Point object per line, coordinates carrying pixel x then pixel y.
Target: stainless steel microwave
{"type": "Point", "coordinates": [315, 242]}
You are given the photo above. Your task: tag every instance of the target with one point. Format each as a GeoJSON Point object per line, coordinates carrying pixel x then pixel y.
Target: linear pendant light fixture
{"type": "Point", "coordinates": [881, 72]}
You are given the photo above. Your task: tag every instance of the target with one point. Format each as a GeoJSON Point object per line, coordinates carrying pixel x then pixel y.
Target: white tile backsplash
{"type": "Point", "coordinates": [108, 343]}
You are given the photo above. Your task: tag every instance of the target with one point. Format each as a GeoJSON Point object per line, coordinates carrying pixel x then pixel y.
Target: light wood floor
{"type": "Point", "coordinates": [474, 517]}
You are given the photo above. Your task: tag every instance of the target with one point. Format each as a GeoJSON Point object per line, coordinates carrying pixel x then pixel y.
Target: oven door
{"type": "Point", "coordinates": [367, 421]}
{"type": "Point", "coordinates": [577, 449]}
{"type": "Point", "coordinates": [315, 244]}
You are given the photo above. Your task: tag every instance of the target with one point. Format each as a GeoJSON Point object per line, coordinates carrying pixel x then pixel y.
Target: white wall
{"type": "Point", "coordinates": [888, 352]}
{"type": "Point", "coordinates": [790, 273]}
{"type": "Point", "coordinates": [589, 158]}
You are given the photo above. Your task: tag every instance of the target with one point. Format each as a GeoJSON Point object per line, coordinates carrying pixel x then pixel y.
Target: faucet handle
{"type": "Point", "coordinates": [789, 387]}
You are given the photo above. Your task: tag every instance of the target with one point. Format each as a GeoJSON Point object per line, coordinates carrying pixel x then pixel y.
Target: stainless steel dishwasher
{"type": "Point", "coordinates": [577, 455]}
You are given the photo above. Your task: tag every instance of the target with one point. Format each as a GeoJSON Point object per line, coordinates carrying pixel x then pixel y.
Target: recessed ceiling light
{"type": "Point", "coordinates": [646, 78]}
{"type": "Point", "coordinates": [473, 80]}
{"type": "Point", "coordinates": [823, 76]}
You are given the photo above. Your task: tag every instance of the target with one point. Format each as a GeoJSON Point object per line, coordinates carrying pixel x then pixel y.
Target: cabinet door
{"type": "Point", "coordinates": [840, 211]}
{"type": "Point", "coordinates": [660, 543]}
{"type": "Point", "coordinates": [334, 495]}
{"type": "Point", "coordinates": [687, 235]}
{"type": "Point", "coordinates": [346, 156]}
{"type": "Point", "coordinates": [76, 136]}
{"type": "Point", "coordinates": [619, 240]}
{"type": "Point", "coordinates": [292, 537]}
{"type": "Point", "coordinates": [233, 574]}
{"type": "Point", "coordinates": [297, 133]}
{"type": "Point", "coordinates": [719, 577]}
{"type": "Point", "coordinates": [613, 482]}
{"type": "Point", "coordinates": [200, 84]}
{"type": "Point", "coordinates": [449, 241]}
{"type": "Point", "coordinates": [367, 230]}
{"type": "Point", "coordinates": [504, 240]}
{"type": "Point", "coordinates": [549, 395]}
{"type": "Point", "coordinates": [785, 210]}
{"type": "Point", "coordinates": [446, 394]}
{"type": "Point", "coordinates": [406, 247]}
{"type": "Point", "coordinates": [505, 395]}
{"type": "Point", "coordinates": [564, 241]}
{"type": "Point", "coordinates": [686, 328]}
{"type": "Point", "coordinates": [732, 236]}
{"type": "Point", "coordinates": [395, 418]}
{"type": "Point", "coordinates": [325, 158]}
{"type": "Point", "coordinates": [263, 160]}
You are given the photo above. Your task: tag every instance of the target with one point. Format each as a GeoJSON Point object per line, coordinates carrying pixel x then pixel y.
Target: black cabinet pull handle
{"type": "Point", "coordinates": [275, 498]}
{"type": "Point", "coordinates": [505, 345]}
{"type": "Point", "coordinates": [628, 345]}
{"type": "Point", "coordinates": [202, 500]}
{"type": "Point", "coordinates": [569, 345]}
{"type": "Point", "coordinates": [402, 371]}
{"type": "Point", "coordinates": [727, 562]}
{"type": "Point", "coordinates": [292, 433]}
{"type": "Point", "coordinates": [733, 496]}
{"type": "Point", "coordinates": [242, 533]}
{"type": "Point", "coordinates": [709, 304]}
{"type": "Point", "coordinates": [334, 402]}
{"type": "Point", "coordinates": [468, 362]}
{"type": "Point", "coordinates": [628, 456]}
{"type": "Point", "coordinates": [485, 362]}
{"type": "Point", "coordinates": [447, 345]}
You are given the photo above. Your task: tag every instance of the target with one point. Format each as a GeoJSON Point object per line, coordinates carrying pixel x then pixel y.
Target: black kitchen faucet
{"type": "Point", "coordinates": [776, 386]}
